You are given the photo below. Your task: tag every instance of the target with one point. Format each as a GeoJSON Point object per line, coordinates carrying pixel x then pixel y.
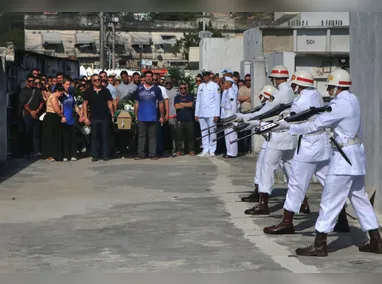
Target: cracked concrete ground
{"type": "Point", "coordinates": [170, 215]}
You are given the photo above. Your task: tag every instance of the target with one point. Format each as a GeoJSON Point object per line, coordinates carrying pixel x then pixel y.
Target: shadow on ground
{"type": "Point", "coordinates": [12, 167]}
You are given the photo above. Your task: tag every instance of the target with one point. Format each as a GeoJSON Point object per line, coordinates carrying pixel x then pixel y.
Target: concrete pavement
{"type": "Point", "coordinates": [174, 214]}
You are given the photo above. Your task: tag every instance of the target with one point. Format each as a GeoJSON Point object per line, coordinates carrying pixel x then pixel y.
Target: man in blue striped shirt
{"type": "Point", "coordinates": [146, 98]}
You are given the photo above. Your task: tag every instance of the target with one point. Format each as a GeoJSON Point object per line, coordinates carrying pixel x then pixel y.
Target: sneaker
{"type": "Point", "coordinates": [65, 160]}
{"type": "Point", "coordinates": [212, 155]}
{"type": "Point", "coordinates": [83, 150]}
{"type": "Point", "coordinates": [138, 158]}
{"type": "Point", "coordinates": [203, 154]}
{"type": "Point", "coordinates": [73, 159]}
{"type": "Point", "coordinates": [154, 158]}
{"type": "Point", "coordinates": [51, 159]}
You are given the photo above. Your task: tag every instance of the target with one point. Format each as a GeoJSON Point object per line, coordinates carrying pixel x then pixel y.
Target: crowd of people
{"type": "Point", "coordinates": [64, 119]}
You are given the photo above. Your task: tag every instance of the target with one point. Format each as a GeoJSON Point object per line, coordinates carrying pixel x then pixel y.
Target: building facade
{"type": "Point", "coordinates": [77, 36]}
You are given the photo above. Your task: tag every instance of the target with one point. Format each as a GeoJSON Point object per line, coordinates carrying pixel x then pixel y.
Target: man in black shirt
{"type": "Point", "coordinates": [31, 103]}
{"type": "Point", "coordinates": [184, 103]}
{"type": "Point", "coordinates": [100, 102]}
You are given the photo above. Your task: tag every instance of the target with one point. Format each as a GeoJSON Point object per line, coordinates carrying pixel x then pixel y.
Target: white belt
{"type": "Point", "coordinates": [353, 141]}
{"type": "Point", "coordinates": [315, 133]}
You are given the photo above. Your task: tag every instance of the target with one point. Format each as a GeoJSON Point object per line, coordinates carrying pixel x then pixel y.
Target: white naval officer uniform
{"type": "Point", "coordinates": [342, 180]}
{"type": "Point", "coordinates": [260, 160]}
{"type": "Point", "coordinates": [207, 106]}
{"type": "Point", "coordinates": [229, 108]}
{"type": "Point", "coordinates": [281, 145]}
{"type": "Point", "coordinates": [314, 153]}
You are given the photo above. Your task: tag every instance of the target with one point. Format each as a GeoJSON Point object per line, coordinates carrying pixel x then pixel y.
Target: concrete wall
{"type": "Point", "coordinates": [3, 112]}
{"type": "Point", "coordinates": [365, 67]}
{"type": "Point", "coordinates": [252, 44]}
{"type": "Point", "coordinates": [219, 53]}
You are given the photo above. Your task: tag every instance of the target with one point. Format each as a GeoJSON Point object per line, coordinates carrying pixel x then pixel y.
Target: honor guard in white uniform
{"type": "Point", "coordinates": [347, 167]}
{"type": "Point", "coordinates": [229, 73]}
{"type": "Point", "coordinates": [281, 144]}
{"type": "Point", "coordinates": [207, 112]}
{"type": "Point", "coordinates": [311, 156]}
{"type": "Point", "coordinates": [229, 108]}
{"type": "Point", "coordinates": [264, 96]}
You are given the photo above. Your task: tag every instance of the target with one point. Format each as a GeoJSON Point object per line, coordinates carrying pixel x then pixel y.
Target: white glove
{"type": "Point", "coordinates": [282, 125]}
{"type": "Point", "coordinates": [252, 124]}
{"type": "Point", "coordinates": [239, 117]}
{"type": "Point", "coordinates": [285, 113]}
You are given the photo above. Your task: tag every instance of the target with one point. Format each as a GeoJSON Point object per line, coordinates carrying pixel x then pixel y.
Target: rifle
{"type": "Point", "coordinates": [294, 117]}
{"type": "Point", "coordinates": [275, 111]}
{"type": "Point", "coordinates": [237, 128]}
{"type": "Point", "coordinates": [224, 127]}
{"type": "Point", "coordinates": [224, 121]}
{"type": "Point", "coordinates": [255, 109]}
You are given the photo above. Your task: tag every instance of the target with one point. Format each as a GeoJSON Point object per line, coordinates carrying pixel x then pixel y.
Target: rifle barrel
{"type": "Point", "coordinates": [241, 138]}
{"type": "Point", "coordinates": [217, 138]}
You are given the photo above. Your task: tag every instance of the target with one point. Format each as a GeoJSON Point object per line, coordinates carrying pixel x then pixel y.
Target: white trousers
{"type": "Point", "coordinates": [208, 145]}
{"type": "Point", "coordinates": [259, 165]}
{"type": "Point", "coordinates": [299, 180]}
{"type": "Point", "coordinates": [337, 188]}
{"type": "Point", "coordinates": [272, 159]}
{"type": "Point", "coordinates": [231, 148]}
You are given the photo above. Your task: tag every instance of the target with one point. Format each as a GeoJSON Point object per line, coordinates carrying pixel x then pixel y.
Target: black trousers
{"type": "Point", "coordinates": [52, 137]}
{"type": "Point", "coordinates": [69, 141]}
{"type": "Point", "coordinates": [185, 136]}
{"type": "Point", "coordinates": [147, 129]}
{"type": "Point", "coordinates": [100, 138]}
{"type": "Point", "coordinates": [32, 135]}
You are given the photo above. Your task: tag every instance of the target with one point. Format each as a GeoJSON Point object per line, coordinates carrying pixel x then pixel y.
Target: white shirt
{"type": "Point", "coordinates": [313, 148]}
{"type": "Point", "coordinates": [279, 140]}
{"type": "Point", "coordinates": [164, 93]}
{"type": "Point", "coordinates": [228, 103]}
{"type": "Point", "coordinates": [208, 100]}
{"type": "Point", "coordinates": [345, 122]}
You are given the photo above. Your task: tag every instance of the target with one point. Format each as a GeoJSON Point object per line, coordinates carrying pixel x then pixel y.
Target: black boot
{"type": "Point", "coordinates": [375, 244]}
{"type": "Point", "coordinates": [305, 206]}
{"type": "Point", "coordinates": [285, 227]}
{"type": "Point", "coordinates": [318, 248]}
{"type": "Point", "coordinates": [261, 208]}
{"type": "Point", "coordinates": [342, 224]}
{"type": "Point", "coordinates": [253, 197]}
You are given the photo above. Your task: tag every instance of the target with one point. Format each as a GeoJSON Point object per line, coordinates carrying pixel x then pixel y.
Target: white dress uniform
{"type": "Point", "coordinates": [260, 160]}
{"type": "Point", "coordinates": [207, 106]}
{"type": "Point", "coordinates": [313, 157]}
{"type": "Point", "coordinates": [229, 108]}
{"type": "Point", "coordinates": [281, 144]}
{"type": "Point", "coordinates": [343, 180]}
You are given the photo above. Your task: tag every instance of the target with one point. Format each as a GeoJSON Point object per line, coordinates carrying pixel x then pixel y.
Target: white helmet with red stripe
{"type": "Point", "coordinates": [303, 78]}
{"type": "Point", "coordinates": [267, 91]}
{"type": "Point", "coordinates": [339, 78]}
{"type": "Point", "coordinates": [279, 71]}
